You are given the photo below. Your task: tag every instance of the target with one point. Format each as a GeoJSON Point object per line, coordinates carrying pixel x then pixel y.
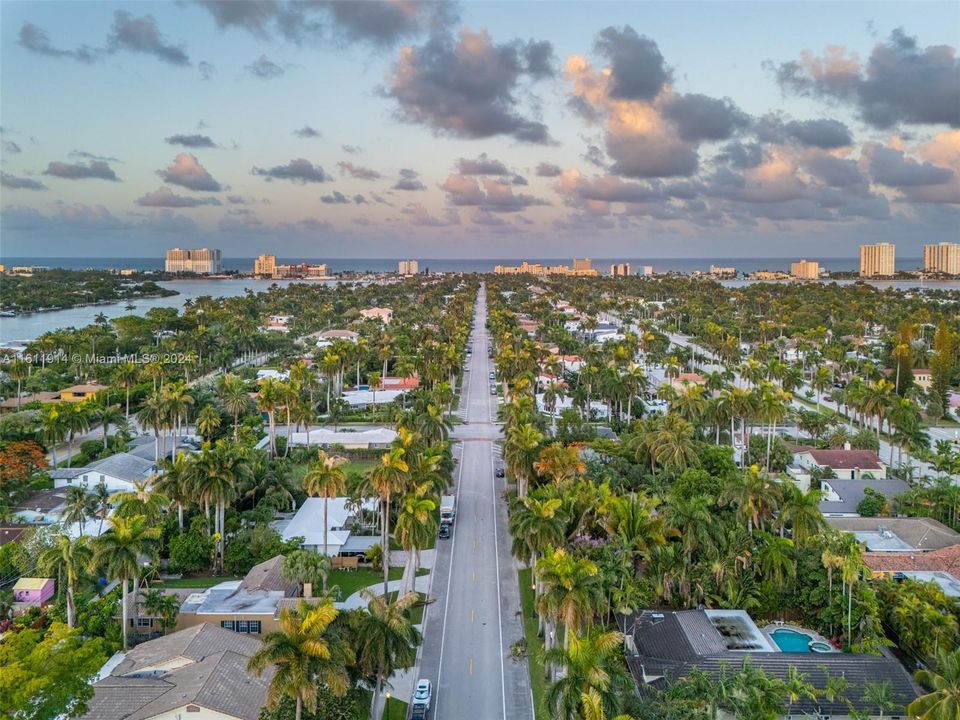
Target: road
{"type": "Point", "coordinates": [468, 631]}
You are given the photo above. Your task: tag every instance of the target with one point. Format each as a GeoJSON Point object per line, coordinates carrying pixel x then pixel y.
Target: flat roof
{"type": "Point", "coordinates": [884, 541]}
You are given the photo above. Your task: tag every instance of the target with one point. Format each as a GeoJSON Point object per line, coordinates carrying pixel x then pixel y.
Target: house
{"type": "Point", "coordinates": [44, 398]}
{"type": "Point", "coordinates": [358, 399]}
{"type": "Point", "coordinates": [244, 606]}
{"type": "Point", "coordinates": [372, 439]}
{"type": "Point", "coordinates": [841, 497]}
{"type": "Point", "coordinates": [897, 534]}
{"type": "Point", "coordinates": [41, 507]}
{"type": "Point", "coordinates": [572, 363]}
{"type": "Point", "coordinates": [119, 472]}
{"type": "Point", "coordinates": [272, 374]}
{"type": "Point", "coordinates": [383, 314]}
{"type": "Point", "coordinates": [79, 393]}
{"type": "Point", "coordinates": [198, 672]}
{"type": "Point", "coordinates": [391, 382]}
{"type": "Point", "coordinates": [328, 337]}
{"type": "Point", "coordinates": [278, 323]}
{"type": "Point", "coordinates": [342, 514]}
{"type": "Point", "coordinates": [681, 381]}
{"type": "Point", "coordinates": [33, 591]}
{"type": "Point", "coordinates": [922, 378]}
{"type": "Point", "coordinates": [940, 566]}
{"type": "Point", "coordinates": [846, 464]}
{"type": "Point", "coordinates": [667, 645]}
{"type": "Point", "coordinates": [11, 532]}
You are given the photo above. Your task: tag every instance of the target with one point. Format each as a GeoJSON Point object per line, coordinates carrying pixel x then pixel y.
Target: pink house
{"type": "Point", "coordinates": [33, 591]}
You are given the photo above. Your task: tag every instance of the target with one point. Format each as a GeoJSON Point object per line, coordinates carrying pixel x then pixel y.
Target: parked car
{"type": "Point", "coordinates": [422, 695]}
{"type": "Point", "coordinates": [500, 472]}
{"type": "Point", "coordinates": [493, 390]}
{"type": "Point", "coordinates": [444, 532]}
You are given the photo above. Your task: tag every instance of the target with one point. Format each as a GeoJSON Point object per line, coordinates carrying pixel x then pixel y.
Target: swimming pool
{"type": "Point", "coordinates": [791, 641]}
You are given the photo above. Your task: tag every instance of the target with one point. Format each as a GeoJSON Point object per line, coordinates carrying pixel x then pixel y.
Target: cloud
{"type": "Point", "coordinates": [517, 180]}
{"type": "Point", "coordinates": [96, 169]}
{"type": "Point", "coordinates": [9, 146]}
{"type": "Point", "coordinates": [80, 218]}
{"type": "Point", "coordinates": [900, 82]}
{"type": "Point", "coordinates": [91, 156]}
{"type": "Point", "coordinates": [335, 198]}
{"type": "Point", "coordinates": [637, 69]}
{"type": "Point", "coordinates": [191, 141]}
{"type": "Point", "coordinates": [487, 194]}
{"type": "Point", "coordinates": [741, 155]}
{"type": "Point", "coordinates": [357, 171]}
{"type": "Point", "coordinates": [546, 169]}
{"type": "Point", "coordinates": [297, 170]}
{"type": "Point", "coordinates": [237, 200]}
{"type": "Point", "coordinates": [164, 197]}
{"type": "Point", "coordinates": [141, 35]}
{"type": "Point", "coordinates": [207, 70]}
{"type": "Point", "coordinates": [482, 165]}
{"type": "Point", "coordinates": [35, 39]}
{"type": "Point", "coordinates": [699, 117]}
{"type": "Point", "coordinates": [379, 23]}
{"type": "Point", "coordinates": [419, 215]}
{"type": "Point", "coordinates": [351, 149]}
{"type": "Point", "coordinates": [894, 169]}
{"type": "Point", "coordinates": [264, 68]}
{"type": "Point", "coordinates": [307, 132]}
{"type": "Point", "coordinates": [408, 181]}
{"type": "Point", "coordinates": [186, 171]}
{"type": "Point", "coordinates": [468, 86]}
{"type": "Point", "coordinates": [825, 133]}
{"type": "Point", "coordinates": [594, 155]}
{"type": "Point", "coordinates": [19, 183]}
{"type": "Point", "coordinates": [359, 199]}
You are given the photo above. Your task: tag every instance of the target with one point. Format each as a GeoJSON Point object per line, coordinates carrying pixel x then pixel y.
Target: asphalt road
{"type": "Point", "coordinates": [468, 631]}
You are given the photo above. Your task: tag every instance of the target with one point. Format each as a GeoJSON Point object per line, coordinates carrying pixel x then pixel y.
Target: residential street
{"type": "Point", "coordinates": [468, 631]}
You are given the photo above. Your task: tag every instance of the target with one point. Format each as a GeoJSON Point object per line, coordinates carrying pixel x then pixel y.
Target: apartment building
{"type": "Point", "coordinates": [265, 266]}
{"type": "Point", "coordinates": [942, 258]}
{"type": "Point", "coordinates": [408, 267]}
{"type": "Point", "coordinates": [203, 261]}
{"type": "Point", "coordinates": [583, 268]}
{"type": "Point", "coordinates": [620, 269]}
{"type": "Point", "coordinates": [877, 260]}
{"type": "Point", "coordinates": [805, 270]}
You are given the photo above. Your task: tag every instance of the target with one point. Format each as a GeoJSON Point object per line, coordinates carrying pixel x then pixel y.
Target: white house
{"type": "Point", "coordinates": [279, 323]}
{"type": "Point", "coordinates": [373, 438]}
{"type": "Point", "coordinates": [308, 523]}
{"type": "Point", "coordinates": [118, 472]}
{"type": "Point", "coordinates": [365, 398]}
{"type": "Point", "coordinates": [328, 337]}
{"type": "Point", "coordinates": [846, 464]}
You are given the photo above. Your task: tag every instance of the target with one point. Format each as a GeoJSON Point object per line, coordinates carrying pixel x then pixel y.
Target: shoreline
{"type": "Point", "coordinates": [12, 313]}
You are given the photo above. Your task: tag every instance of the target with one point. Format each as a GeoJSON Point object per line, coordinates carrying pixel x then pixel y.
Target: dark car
{"type": "Point", "coordinates": [444, 533]}
{"type": "Point", "coordinates": [500, 472]}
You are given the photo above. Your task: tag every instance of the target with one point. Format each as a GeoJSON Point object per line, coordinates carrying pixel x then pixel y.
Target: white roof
{"type": "Point", "coordinates": [273, 374]}
{"type": "Point", "coordinates": [308, 522]}
{"type": "Point", "coordinates": [325, 436]}
{"type": "Point", "coordinates": [366, 397]}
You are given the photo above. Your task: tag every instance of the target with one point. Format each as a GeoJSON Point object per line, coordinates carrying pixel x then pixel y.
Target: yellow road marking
{"type": "Point", "coordinates": [473, 576]}
{"type": "Point", "coordinates": [471, 615]}
{"type": "Point", "coordinates": [471, 666]}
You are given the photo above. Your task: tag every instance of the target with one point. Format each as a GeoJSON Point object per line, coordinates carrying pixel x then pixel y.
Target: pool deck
{"type": "Point", "coordinates": [814, 636]}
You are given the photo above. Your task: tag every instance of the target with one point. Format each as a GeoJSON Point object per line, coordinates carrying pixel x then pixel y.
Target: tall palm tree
{"type": "Point", "coordinates": [208, 420]}
{"type": "Point", "coordinates": [216, 473]}
{"type": "Point", "coordinates": [152, 415]}
{"type": "Point", "coordinates": [673, 446]}
{"type": "Point", "coordinates": [304, 656]}
{"type": "Point", "coordinates": [269, 400]}
{"type": "Point", "coordinates": [77, 507]}
{"type": "Point", "coordinates": [571, 590]}
{"type": "Point", "coordinates": [562, 463]}
{"type": "Point", "coordinates": [387, 639]}
{"type": "Point", "coordinates": [125, 377]}
{"type": "Point", "coordinates": [68, 560]}
{"type": "Point", "coordinates": [233, 395]}
{"type": "Point", "coordinates": [801, 511]}
{"type": "Point", "coordinates": [387, 478]}
{"type": "Point", "coordinates": [18, 371]}
{"type": "Point", "coordinates": [76, 419]}
{"type": "Point", "coordinates": [592, 664]}
{"type": "Point", "coordinates": [943, 700]}
{"type": "Point", "coordinates": [416, 525]}
{"type": "Point", "coordinates": [520, 452]}
{"type": "Point", "coordinates": [325, 478]}
{"type": "Point", "coordinates": [52, 430]}
{"type": "Point", "coordinates": [143, 499]}
{"type": "Point", "coordinates": [175, 482]}
{"type": "Point", "coordinates": [119, 550]}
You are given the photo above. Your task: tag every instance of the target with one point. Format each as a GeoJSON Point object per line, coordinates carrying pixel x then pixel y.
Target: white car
{"type": "Point", "coordinates": [422, 695]}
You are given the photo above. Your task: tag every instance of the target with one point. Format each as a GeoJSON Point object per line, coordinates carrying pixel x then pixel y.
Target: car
{"type": "Point", "coordinates": [493, 390]}
{"type": "Point", "coordinates": [466, 368]}
{"type": "Point", "coordinates": [422, 695]}
{"type": "Point", "coordinates": [444, 533]}
{"type": "Point", "coordinates": [501, 472]}
{"type": "Point", "coordinates": [492, 376]}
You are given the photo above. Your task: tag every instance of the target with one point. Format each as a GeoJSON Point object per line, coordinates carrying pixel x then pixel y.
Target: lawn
{"type": "Point", "coordinates": [350, 581]}
{"type": "Point", "coordinates": [394, 709]}
{"type": "Point", "coordinates": [362, 467]}
{"type": "Point", "coordinates": [534, 646]}
{"type": "Point", "coordinates": [204, 581]}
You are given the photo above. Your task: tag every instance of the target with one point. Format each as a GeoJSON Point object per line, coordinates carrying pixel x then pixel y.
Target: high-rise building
{"type": "Point", "coordinates": [942, 258]}
{"type": "Point", "coordinates": [265, 266]}
{"type": "Point", "coordinates": [408, 267]}
{"type": "Point", "coordinates": [620, 269]}
{"type": "Point", "coordinates": [877, 260]}
{"type": "Point", "coordinates": [582, 265]}
{"type": "Point", "coordinates": [526, 268]}
{"type": "Point", "coordinates": [203, 261]}
{"type": "Point", "coordinates": [722, 271]}
{"type": "Point", "coordinates": [645, 270]}
{"type": "Point", "coordinates": [805, 270]}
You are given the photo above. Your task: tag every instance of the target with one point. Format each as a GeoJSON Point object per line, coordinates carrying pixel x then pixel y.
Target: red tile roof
{"type": "Point", "coordinates": [846, 459]}
{"type": "Point", "coordinates": [944, 560]}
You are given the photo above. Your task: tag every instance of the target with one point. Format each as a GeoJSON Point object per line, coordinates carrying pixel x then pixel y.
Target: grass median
{"type": "Point", "coordinates": [538, 682]}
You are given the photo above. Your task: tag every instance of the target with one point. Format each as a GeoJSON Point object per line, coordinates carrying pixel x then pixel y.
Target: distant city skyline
{"type": "Point", "coordinates": [479, 130]}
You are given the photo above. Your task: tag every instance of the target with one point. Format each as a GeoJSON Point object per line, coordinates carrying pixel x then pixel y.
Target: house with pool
{"type": "Point", "coordinates": [666, 645]}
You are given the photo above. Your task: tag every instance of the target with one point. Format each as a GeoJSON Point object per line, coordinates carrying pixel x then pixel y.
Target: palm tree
{"type": "Point", "coordinates": [571, 591]}
{"type": "Point", "coordinates": [325, 478]}
{"type": "Point", "coordinates": [387, 639]}
{"type": "Point", "coordinates": [520, 452]}
{"type": "Point", "coordinates": [208, 420]}
{"type": "Point", "coordinates": [432, 425]}
{"type": "Point", "coordinates": [161, 606]}
{"type": "Point", "coordinates": [416, 525]}
{"type": "Point", "coordinates": [77, 506]}
{"type": "Point", "coordinates": [76, 419]}
{"type": "Point", "coordinates": [144, 500]}
{"type": "Point", "coordinates": [673, 446]}
{"type": "Point", "coordinates": [119, 551]}
{"type": "Point", "coordinates": [777, 560]}
{"type": "Point", "coordinates": [19, 371]}
{"type": "Point", "coordinates": [304, 656]}
{"type": "Point", "coordinates": [592, 664]}
{"type": "Point", "coordinates": [879, 695]}
{"type": "Point", "coordinates": [801, 511]}
{"type": "Point", "coordinates": [269, 399]}
{"type": "Point", "coordinates": [797, 688]}
{"type": "Point", "coordinates": [535, 525]}
{"type": "Point", "coordinates": [216, 473]}
{"type": "Point", "coordinates": [562, 463]}
{"type": "Point", "coordinates": [388, 477]}
{"type": "Point", "coordinates": [822, 380]}
{"type": "Point", "coordinates": [175, 482]}
{"type": "Point", "coordinates": [943, 700]}
{"type": "Point", "coordinates": [125, 377]}
{"type": "Point", "coordinates": [68, 560]}
{"type": "Point", "coordinates": [152, 415]}
{"type": "Point", "coordinates": [233, 395]}
{"type": "Point", "coordinates": [52, 430]}
{"type": "Point", "coordinates": [754, 497]}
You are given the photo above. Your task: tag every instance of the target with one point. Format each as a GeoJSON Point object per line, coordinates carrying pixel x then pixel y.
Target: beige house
{"type": "Point", "coordinates": [383, 314]}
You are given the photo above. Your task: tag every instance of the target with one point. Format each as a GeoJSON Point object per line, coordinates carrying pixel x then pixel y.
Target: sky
{"type": "Point", "coordinates": [478, 130]}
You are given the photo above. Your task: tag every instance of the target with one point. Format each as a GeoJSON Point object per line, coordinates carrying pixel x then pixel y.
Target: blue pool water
{"type": "Point", "coordinates": [791, 641]}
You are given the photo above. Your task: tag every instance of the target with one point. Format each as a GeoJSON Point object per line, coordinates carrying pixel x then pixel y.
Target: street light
{"type": "Point", "coordinates": [388, 706]}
